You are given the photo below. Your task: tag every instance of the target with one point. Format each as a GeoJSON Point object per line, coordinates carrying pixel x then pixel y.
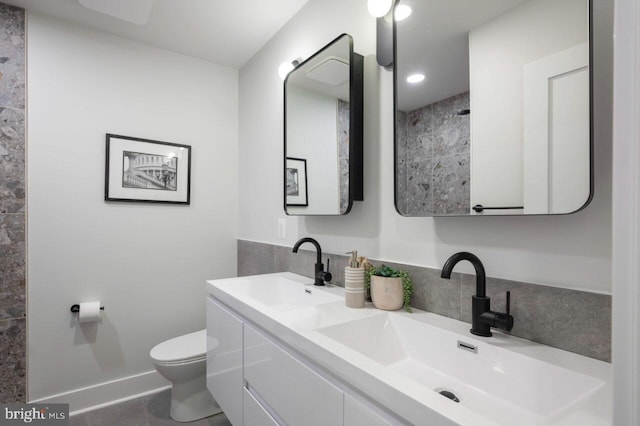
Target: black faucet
{"type": "Point", "coordinates": [320, 275]}
{"type": "Point", "coordinates": [482, 317]}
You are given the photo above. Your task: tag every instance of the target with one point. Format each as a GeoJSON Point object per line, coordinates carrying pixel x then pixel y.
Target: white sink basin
{"type": "Point", "coordinates": [279, 292]}
{"type": "Point", "coordinates": [501, 384]}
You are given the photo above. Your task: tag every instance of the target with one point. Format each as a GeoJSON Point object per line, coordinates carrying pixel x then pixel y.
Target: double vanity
{"type": "Point", "coordinates": [283, 351]}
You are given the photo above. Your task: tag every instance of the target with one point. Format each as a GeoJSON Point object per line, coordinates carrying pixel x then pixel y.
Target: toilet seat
{"type": "Point", "coordinates": [182, 362]}
{"type": "Point", "coordinates": [190, 347]}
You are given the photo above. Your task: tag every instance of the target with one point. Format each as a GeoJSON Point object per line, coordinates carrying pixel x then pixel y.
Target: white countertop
{"type": "Point", "coordinates": [402, 387]}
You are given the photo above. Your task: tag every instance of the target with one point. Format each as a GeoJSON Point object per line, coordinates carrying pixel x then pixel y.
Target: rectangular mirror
{"type": "Point", "coordinates": [323, 131]}
{"type": "Point", "coordinates": [501, 121]}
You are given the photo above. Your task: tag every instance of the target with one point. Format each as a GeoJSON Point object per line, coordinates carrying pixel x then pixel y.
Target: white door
{"type": "Point", "coordinates": [557, 132]}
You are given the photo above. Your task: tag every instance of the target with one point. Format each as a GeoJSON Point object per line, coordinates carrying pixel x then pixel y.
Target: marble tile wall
{"type": "Point", "coordinates": [12, 206]}
{"type": "Point", "coordinates": [573, 320]}
{"type": "Point", "coordinates": [343, 153]}
{"type": "Point", "coordinates": [433, 159]}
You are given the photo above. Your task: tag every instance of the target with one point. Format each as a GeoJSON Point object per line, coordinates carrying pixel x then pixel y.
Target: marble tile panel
{"type": "Point", "coordinates": [451, 189]}
{"type": "Point", "coordinates": [12, 266]}
{"type": "Point", "coordinates": [438, 133]}
{"type": "Point", "coordinates": [401, 163]}
{"type": "Point", "coordinates": [267, 259]}
{"type": "Point", "coordinates": [419, 147]}
{"type": "Point", "coordinates": [430, 292]}
{"type": "Point", "coordinates": [418, 131]}
{"type": "Point", "coordinates": [303, 263]}
{"type": "Point", "coordinates": [420, 188]}
{"type": "Point", "coordinates": [451, 133]}
{"type": "Point", "coordinates": [13, 357]}
{"type": "Point", "coordinates": [401, 133]}
{"type": "Point", "coordinates": [343, 153]}
{"type": "Point", "coordinates": [255, 258]}
{"type": "Point", "coordinates": [338, 263]}
{"type": "Point", "coordinates": [434, 294]}
{"type": "Point", "coordinates": [401, 189]}
{"type": "Point", "coordinates": [12, 57]}
{"type": "Point", "coordinates": [12, 160]}
{"type": "Point", "coordinates": [572, 320]}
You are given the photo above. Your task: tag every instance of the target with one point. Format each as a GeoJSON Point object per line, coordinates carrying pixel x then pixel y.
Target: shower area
{"type": "Point", "coordinates": [433, 158]}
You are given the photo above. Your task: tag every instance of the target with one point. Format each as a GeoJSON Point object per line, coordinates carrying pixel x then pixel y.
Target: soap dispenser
{"type": "Point", "coordinates": [354, 282]}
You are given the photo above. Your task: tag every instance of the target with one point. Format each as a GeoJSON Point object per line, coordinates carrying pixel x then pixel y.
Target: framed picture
{"type": "Point", "coordinates": [296, 178]}
{"type": "Point", "coordinates": [143, 170]}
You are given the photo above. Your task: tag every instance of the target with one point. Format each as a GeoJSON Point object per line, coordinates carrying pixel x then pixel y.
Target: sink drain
{"type": "Point", "coordinates": [448, 394]}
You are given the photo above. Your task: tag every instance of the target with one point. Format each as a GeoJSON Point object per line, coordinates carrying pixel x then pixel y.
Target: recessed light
{"type": "Point", "coordinates": [415, 78]}
{"type": "Point", "coordinates": [402, 12]}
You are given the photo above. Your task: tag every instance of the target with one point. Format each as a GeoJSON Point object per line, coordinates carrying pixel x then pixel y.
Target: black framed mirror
{"type": "Point", "coordinates": [323, 131]}
{"type": "Point", "coordinates": [501, 121]}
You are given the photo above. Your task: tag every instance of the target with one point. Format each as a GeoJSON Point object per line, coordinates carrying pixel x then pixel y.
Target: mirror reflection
{"type": "Point", "coordinates": [319, 132]}
{"type": "Point", "coordinates": [500, 121]}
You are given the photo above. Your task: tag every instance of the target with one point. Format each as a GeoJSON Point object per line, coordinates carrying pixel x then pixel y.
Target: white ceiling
{"type": "Point", "coordinates": [225, 32]}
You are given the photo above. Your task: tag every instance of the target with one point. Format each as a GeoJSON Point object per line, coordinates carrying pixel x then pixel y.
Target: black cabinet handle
{"type": "Point", "coordinates": [479, 208]}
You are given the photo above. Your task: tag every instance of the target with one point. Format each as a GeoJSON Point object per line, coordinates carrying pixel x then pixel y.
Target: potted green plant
{"type": "Point", "coordinates": [390, 288]}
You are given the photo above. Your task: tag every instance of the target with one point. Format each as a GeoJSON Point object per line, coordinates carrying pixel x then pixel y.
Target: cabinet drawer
{"type": "Point", "coordinates": [299, 395]}
{"type": "Point", "coordinates": [254, 413]}
{"type": "Point", "coordinates": [360, 412]}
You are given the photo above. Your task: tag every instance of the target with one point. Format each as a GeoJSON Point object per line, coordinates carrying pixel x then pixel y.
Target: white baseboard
{"type": "Point", "coordinates": [109, 393]}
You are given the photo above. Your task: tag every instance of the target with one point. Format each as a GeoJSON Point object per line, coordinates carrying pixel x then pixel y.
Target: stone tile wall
{"type": "Point", "coordinates": [12, 206]}
{"type": "Point", "coordinates": [343, 152]}
{"type": "Point", "coordinates": [433, 159]}
{"type": "Point", "coordinates": [573, 320]}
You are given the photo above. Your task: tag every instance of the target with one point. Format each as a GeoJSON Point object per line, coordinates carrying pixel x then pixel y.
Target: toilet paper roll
{"type": "Point", "coordinates": [89, 311]}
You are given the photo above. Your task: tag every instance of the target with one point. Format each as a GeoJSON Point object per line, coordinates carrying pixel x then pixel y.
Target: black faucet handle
{"type": "Point", "coordinates": [327, 275]}
{"type": "Point", "coordinates": [507, 319]}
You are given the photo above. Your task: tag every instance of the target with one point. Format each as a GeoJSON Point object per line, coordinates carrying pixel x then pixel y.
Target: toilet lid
{"type": "Point", "coordinates": [188, 346]}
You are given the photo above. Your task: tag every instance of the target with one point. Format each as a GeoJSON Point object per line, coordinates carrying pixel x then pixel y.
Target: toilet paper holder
{"type": "Point", "coordinates": [76, 308]}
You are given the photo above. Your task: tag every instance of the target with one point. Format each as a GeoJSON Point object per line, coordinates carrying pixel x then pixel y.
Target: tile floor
{"type": "Point", "coordinates": [151, 410]}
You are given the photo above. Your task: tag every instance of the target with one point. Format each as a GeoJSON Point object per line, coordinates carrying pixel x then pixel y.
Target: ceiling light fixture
{"type": "Point", "coordinates": [379, 8]}
{"type": "Point", "coordinates": [402, 12]}
{"type": "Point", "coordinates": [415, 78]}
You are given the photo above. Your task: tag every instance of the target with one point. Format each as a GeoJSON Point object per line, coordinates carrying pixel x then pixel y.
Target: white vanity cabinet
{"type": "Point", "coordinates": [281, 351]}
{"type": "Point", "coordinates": [224, 359]}
{"type": "Point", "coordinates": [358, 412]}
{"type": "Point", "coordinates": [294, 391]}
{"type": "Point", "coordinates": [259, 381]}
{"type": "Point", "coordinates": [254, 413]}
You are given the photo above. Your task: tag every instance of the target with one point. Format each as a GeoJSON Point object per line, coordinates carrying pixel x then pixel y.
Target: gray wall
{"type": "Point", "coordinates": [572, 320]}
{"type": "Point", "coordinates": [12, 206]}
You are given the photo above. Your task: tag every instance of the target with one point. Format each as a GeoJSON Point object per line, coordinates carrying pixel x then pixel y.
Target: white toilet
{"type": "Point", "coordinates": [183, 361]}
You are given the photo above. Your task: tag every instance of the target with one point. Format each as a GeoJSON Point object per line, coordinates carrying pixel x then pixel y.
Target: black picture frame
{"type": "Point", "coordinates": [147, 171]}
{"type": "Point", "coordinates": [296, 182]}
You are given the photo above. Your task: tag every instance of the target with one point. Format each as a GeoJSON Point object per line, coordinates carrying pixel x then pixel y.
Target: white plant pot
{"type": "Point", "coordinates": [387, 293]}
